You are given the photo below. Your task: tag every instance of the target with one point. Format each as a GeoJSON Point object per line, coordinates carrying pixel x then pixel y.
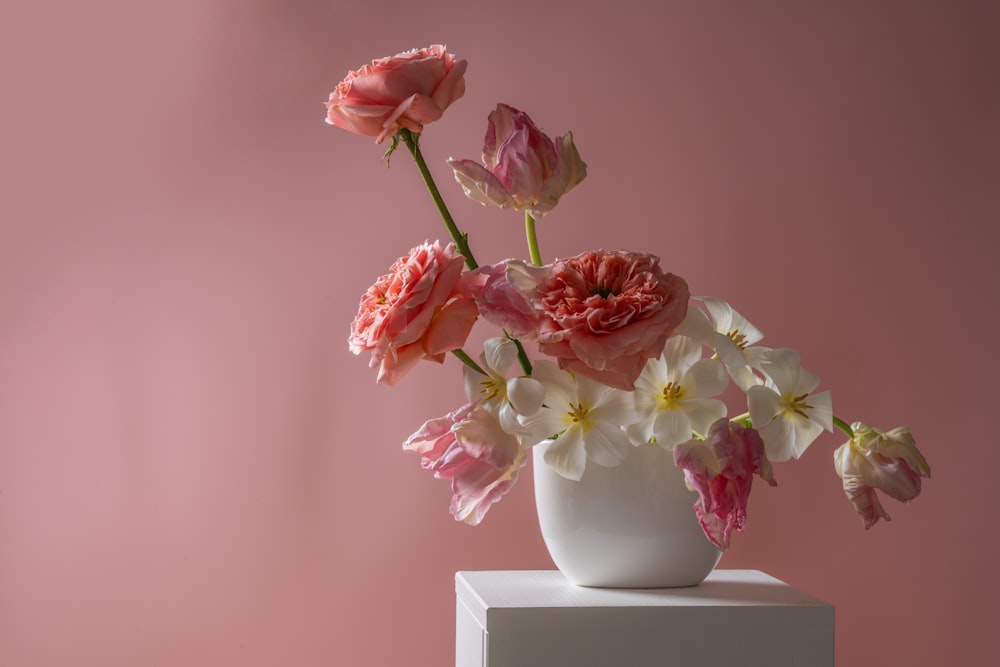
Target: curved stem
{"type": "Point", "coordinates": [467, 360]}
{"type": "Point", "coordinates": [461, 240]}
{"type": "Point", "coordinates": [529, 231]}
{"type": "Point", "coordinates": [843, 426]}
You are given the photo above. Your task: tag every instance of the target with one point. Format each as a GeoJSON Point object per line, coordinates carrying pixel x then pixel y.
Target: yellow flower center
{"type": "Point", "coordinates": [798, 405]}
{"type": "Point", "coordinates": [490, 389]}
{"type": "Point", "coordinates": [738, 337]}
{"type": "Point", "coordinates": [578, 413]}
{"type": "Point", "coordinates": [671, 394]}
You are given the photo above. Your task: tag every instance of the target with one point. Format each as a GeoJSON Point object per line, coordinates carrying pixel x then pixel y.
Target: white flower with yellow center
{"type": "Point", "coordinates": [676, 390]}
{"type": "Point", "coordinates": [732, 337]}
{"type": "Point", "coordinates": [581, 419]}
{"type": "Point", "coordinates": [784, 409]}
{"type": "Point", "coordinates": [505, 398]}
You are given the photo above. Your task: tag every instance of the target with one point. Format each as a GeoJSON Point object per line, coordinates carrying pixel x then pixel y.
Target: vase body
{"type": "Point", "coordinates": [630, 526]}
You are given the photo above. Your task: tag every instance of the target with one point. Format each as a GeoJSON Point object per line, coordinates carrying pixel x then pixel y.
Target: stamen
{"type": "Point", "coordinates": [490, 389]}
{"type": "Point", "coordinates": [671, 393]}
{"type": "Point", "coordinates": [578, 413]}
{"type": "Point", "coordinates": [799, 406]}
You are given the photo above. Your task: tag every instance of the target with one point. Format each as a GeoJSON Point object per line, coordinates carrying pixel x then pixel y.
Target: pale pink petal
{"type": "Point", "coordinates": [531, 171]}
{"type": "Point", "coordinates": [569, 171]}
{"type": "Point", "coordinates": [499, 302]}
{"type": "Point", "coordinates": [499, 124]}
{"type": "Point", "coordinates": [721, 470]}
{"type": "Point", "coordinates": [875, 460]}
{"type": "Point", "coordinates": [403, 91]}
{"type": "Point", "coordinates": [451, 87]}
{"type": "Point", "coordinates": [469, 448]}
{"type": "Point", "coordinates": [480, 184]}
{"type": "Point", "coordinates": [521, 164]}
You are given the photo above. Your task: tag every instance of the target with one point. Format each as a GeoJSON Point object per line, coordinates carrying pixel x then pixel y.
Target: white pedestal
{"type": "Point", "coordinates": [539, 619]}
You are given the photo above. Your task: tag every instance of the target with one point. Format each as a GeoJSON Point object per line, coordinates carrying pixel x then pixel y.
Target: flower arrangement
{"type": "Point", "coordinates": [626, 356]}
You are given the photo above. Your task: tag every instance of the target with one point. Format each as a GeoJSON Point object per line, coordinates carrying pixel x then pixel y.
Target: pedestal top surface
{"type": "Point", "coordinates": [549, 588]}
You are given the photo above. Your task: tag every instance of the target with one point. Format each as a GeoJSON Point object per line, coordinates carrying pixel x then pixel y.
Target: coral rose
{"type": "Point", "coordinates": [603, 314]}
{"type": "Point", "coordinates": [407, 90]}
{"type": "Point", "coordinates": [419, 310]}
{"type": "Point", "coordinates": [522, 167]}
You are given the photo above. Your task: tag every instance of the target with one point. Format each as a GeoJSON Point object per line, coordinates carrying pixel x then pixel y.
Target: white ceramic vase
{"type": "Point", "coordinates": [630, 526]}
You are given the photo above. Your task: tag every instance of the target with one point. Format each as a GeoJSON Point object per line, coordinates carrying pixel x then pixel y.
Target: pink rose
{"type": "Point", "coordinates": [878, 460]}
{"type": "Point", "coordinates": [721, 470]}
{"type": "Point", "coordinates": [419, 310]}
{"type": "Point", "coordinates": [522, 167]}
{"type": "Point", "coordinates": [407, 90]}
{"type": "Point", "coordinates": [603, 314]}
{"type": "Point", "coordinates": [469, 447]}
{"type": "Point", "coordinates": [499, 303]}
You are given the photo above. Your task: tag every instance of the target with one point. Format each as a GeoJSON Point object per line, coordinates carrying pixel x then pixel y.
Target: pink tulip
{"type": "Point", "coordinates": [603, 314]}
{"type": "Point", "coordinates": [406, 90]}
{"type": "Point", "coordinates": [721, 470]}
{"type": "Point", "coordinates": [499, 303]}
{"type": "Point", "coordinates": [469, 447]}
{"type": "Point", "coordinates": [877, 460]}
{"type": "Point", "coordinates": [419, 310]}
{"type": "Point", "coordinates": [522, 167]}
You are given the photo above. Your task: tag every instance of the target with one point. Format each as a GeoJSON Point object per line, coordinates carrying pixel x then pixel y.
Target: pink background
{"type": "Point", "coordinates": [195, 471]}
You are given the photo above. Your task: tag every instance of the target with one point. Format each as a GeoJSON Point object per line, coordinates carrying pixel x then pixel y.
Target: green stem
{"type": "Point", "coordinates": [522, 356]}
{"type": "Point", "coordinates": [467, 360]}
{"type": "Point", "coordinates": [843, 426]}
{"type": "Point", "coordinates": [529, 230]}
{"type": "Point", "coordinates": [743, 419]}
{"type": "Point", "coordinates": [461, 240]}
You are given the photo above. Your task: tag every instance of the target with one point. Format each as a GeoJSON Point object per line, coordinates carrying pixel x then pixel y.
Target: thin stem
{"type": "Point", "coordinates": [522, 356]}
{"type": "Point", "coordinates": [529, 230]}
{"type": "Point", "coordinates": [467, 360]}
{"type": "Point", "coordinates": [743, 419]}
{"type": "Point", "coordinates": [843, 426]}
{"type": "Point", "coordinates": [461, 240]}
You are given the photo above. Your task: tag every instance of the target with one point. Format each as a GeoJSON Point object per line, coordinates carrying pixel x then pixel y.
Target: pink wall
{"type": "Point", "coordinates": [195, 471]}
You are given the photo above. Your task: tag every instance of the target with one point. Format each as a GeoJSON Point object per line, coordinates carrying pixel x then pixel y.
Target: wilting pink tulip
{"type": "Point", "coordinates": [878, 460]}
{"type": "Point", "coordinates": [406, 90]}
{"type": "Point", "coordinates": [419, 310]}
{"type": "Point", "coordinates": [469, 447]}
{"type": "Point", "coordinates": [603, 314]}
{"type": "Point", "coordinates": [721, 470]}
{"type": "Point", "coordinates": [522, 167]}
